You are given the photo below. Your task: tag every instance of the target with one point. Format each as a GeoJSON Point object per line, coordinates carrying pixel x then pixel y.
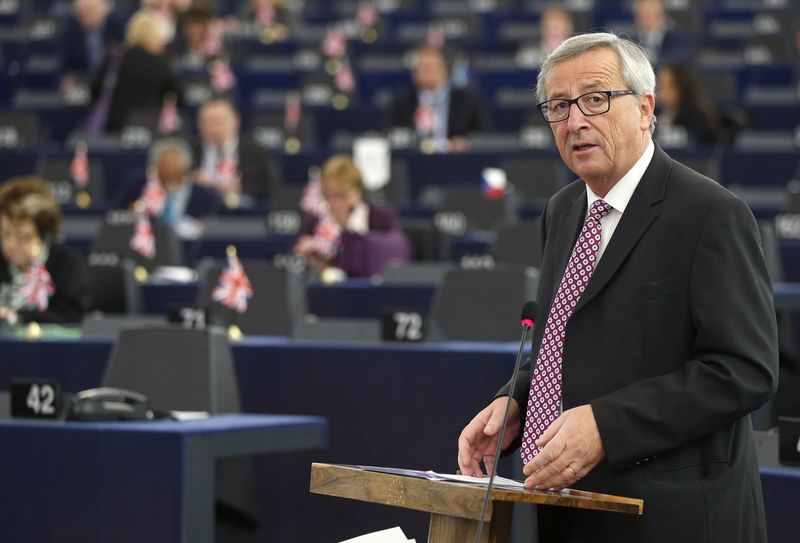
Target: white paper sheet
{"type": "Point", "coordinates": [392, 535]}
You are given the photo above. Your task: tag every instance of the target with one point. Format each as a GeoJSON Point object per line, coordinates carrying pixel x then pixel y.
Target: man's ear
{"type": "Point", "coordinates": [647, 106]}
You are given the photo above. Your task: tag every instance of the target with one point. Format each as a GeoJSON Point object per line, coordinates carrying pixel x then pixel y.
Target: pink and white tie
{"type": "Point", "coordinates": [544, 401]}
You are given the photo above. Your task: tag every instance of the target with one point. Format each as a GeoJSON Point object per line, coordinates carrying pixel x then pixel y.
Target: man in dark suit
{"type": "Point", "coordinates": [232, 165]}
{"type": "Point", "coordinates": [185, 203]}
{"type": "Point", "coordinates": [656, 334]}
{"type": "Point", "coordinates": [433, 107]}
{"type": "Point", "coordinates": [87, 37]}
{"type": "Point", "coordinates": [662, 42]}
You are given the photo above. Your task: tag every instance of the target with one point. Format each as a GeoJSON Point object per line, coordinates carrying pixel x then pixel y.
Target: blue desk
{"type": "Point", "coordinates": [394, 405]}
{"type": "Point", "coordinates": [781, 488]}
{"type": "Point", "coordinates": [397, 405]}
{"type": "Point", "coordinates": [129, 482]}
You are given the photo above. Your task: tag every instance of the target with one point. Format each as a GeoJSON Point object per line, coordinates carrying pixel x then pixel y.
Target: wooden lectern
{"type": "Point", "coordinates": [455, 508]}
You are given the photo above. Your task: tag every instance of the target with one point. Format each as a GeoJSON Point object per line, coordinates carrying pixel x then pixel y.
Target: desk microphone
{"type": "Point", "coordinates": [526, 320]}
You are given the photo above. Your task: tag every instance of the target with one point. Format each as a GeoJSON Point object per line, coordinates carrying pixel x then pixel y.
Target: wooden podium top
{"type": "Point", "coordinates": [461, 500]}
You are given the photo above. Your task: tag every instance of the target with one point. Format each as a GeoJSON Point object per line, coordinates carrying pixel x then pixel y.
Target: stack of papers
{"type": "Point", "coordinates": [392, 535]}
{"type": "Point", "coordinates": [499, 482]}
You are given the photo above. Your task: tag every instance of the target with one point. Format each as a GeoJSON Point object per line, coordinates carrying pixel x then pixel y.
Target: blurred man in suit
{"type": "Point", "coordinates": [86, 38]}
{"type": "Point", "coordinates": [655, 337]}
{"type": "Point", "coordinates": [232, 165]}
{"type": "Point", "coordinates": [663, 43]}
{"type": "Point", "coordinates": [183, 202]}
{"type": "Point", "coordinates": [434, 108]}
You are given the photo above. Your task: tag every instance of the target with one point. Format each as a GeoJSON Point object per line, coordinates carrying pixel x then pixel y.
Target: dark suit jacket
{"type": "Point", "coordinates": [74, 55]}
{"type": "Point", "coordinates": [256, 181]}
{"type": "Point", "coordinates": [72, 296]}
{"type": "Point", "coordinates": [673, 344]}
{"type": "Point", "coordinates": [700, 126]}
{"type": "Point", "coordinates": [363, 256]}
{"type": "Point", "coordinates": [464, 115]}
{"type": "Point", "coordinates": [675, 48]}
{"type": "Point", "coordinates": [142, 82]}
{"type": "Point", "coordinates": [202, 202]}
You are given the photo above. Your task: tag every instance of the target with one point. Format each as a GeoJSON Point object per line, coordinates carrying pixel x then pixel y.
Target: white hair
{"type": "Point", "coordinates": [635, 68]}
{"type": "Point", "coordinates": [166, 145]}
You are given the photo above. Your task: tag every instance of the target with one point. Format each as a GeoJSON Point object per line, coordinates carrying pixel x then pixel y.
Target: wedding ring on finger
{"type": "Point", "coordinates": [572, 471]}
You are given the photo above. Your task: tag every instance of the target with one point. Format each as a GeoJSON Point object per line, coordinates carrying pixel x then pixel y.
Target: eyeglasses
{"type": "Point", "coordinates": [591, 103]}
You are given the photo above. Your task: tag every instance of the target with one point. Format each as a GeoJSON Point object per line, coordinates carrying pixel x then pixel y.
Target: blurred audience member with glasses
{"type": "Point", "coordinates": [344, 231]}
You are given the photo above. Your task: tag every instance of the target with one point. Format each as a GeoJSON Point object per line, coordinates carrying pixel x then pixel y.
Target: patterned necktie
{"type": "Point", "coordinates": [544, 401]}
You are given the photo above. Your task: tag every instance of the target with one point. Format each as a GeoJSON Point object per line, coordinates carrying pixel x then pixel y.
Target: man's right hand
{"type": "Point", "coordinates": [478, 440]}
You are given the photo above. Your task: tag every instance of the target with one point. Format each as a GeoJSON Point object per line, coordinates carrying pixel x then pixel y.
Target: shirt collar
{"type": "Point", "coordinates": [228, 147]}
{"type": "Point", "coordinates": [435, 96]}
{"type": "Point", "coordinates": [620, 194]}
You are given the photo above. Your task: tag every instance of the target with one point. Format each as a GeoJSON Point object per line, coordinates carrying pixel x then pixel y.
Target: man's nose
{"type": "Point", "coordinates": [576, 119]}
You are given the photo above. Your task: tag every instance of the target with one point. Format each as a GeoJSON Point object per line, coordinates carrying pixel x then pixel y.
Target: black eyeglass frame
{"type": "Point", "coordinates": [570, 101]}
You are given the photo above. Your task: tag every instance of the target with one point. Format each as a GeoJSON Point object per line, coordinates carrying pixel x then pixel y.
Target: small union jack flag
{"type": "Point", "coordinates": [143, 240]}
{"type": "Point", "coordinates": [265, 15]}
{"type": "Point", "coordinates": [212, 44]}
{"type": "Point", "coordinates": [334, 44]}
{"type": "Point", "coordinates": [345, 81]}
{"type": "Point", "coordinates": [169, 120]}
{"type": "Point", "coordinates": [292, 112]}
{"type": "Point", "coordinates": [327, 235]}
{"type": "Point", "coordinates": [79, 168]}
{"type": "Point", "coordinates": [366, 15]}
{"type": "Point", "coordinates": [222, 77]}
{"type": "Point", "coordinates": [425, 119]}
{"type": "Point", "coordinates": [154, 196]}
{"type": "Point", "coordinates": [227, 174]}
{"type": "Point", "coordinates": [234, 289]}
{"type": "Point", "coordinates": [312, 201]}
{"type": "Point", "coordinates": [38, 286]}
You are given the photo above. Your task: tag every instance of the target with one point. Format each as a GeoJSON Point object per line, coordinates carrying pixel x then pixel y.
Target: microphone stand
{"type": "Point", "coordinates": [527, 324]}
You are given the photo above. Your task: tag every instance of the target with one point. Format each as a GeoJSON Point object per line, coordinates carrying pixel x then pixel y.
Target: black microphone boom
{"type": "Point", "coordinates": [526, 320]}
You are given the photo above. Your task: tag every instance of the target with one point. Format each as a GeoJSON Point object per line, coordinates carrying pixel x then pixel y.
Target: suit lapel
{"type": "Point", "coordinates": [638, 216]}
{"type": "Point", "coordinates": [569, 226]}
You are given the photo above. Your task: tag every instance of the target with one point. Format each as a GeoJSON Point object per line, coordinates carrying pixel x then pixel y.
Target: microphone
{"type": "Point", "coordinates": [526, 320]}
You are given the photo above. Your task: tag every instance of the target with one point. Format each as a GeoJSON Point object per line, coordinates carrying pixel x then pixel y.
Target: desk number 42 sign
{"type": "Point", "coordinates": [35, 398]}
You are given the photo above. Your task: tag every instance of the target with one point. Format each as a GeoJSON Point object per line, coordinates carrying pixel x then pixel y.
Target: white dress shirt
{"type": "Point", "coordinates": [619, 196]}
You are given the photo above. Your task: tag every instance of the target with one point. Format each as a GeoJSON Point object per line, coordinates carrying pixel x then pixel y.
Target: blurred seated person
{"type": "Point", "coordinates": [40, 279]}
{"type": "Point", "coordinates": [197, 42]}
{"type": "Point", "coordinates": [229, 163]}
{"type": "Point", "coordinates": [269, 18]}
{"type": "Point", "coordinates": [555, 26]}
{"type": "Point", "coordinates": [684, 106]}
{"type": "Point", "coordinates": [143, 74]}
{"type": "Point", "coordinates": [88, 35]}
{"type": "Point", "coordinates": [433, 107]}
{"type": "Point", "coordinates": [171, 9]}
{"type": "Point", "coordinates": [662, 42]}
{"type": "Point", "coordinates": [344, 231]}
{"type": "Point", "coordinates": [169, 188]}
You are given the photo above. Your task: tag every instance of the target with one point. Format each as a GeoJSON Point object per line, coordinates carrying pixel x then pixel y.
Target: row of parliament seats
{"type": "Point", "coordinates": [279, 306]}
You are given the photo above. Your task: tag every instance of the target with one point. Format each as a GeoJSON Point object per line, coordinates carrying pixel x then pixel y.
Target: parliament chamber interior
{"type": "Point", "coordinates": [188, 146]}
